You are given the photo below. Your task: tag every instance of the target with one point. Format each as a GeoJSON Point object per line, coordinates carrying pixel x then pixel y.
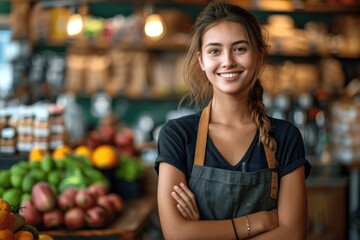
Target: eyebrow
{"type": "Point", "coordinates": [234, 43]}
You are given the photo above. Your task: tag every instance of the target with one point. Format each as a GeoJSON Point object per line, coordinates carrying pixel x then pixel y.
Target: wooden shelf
{"type": "Point", "coordinates": [353, 56]}
{"type": "Point", "coordinates": [323, 7]}
{"type": "Point", "coordinates": [168, 45]}
{"type": "Point", "coordinates": [278, 6]}
{"type": "Point", "coordinates": [102, 46]}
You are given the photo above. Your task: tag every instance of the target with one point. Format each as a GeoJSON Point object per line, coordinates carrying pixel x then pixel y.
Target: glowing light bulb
{"type": "Point", "coordinates": [154, 26]}
{"type": "Point", "coordinates": [75, 25]}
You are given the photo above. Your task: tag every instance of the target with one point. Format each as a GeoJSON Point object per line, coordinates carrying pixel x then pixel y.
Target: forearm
{"type": "Point", "coordinates": [180, 225]}
{"type": "Point", "coordinates": [212, 229]}
{"type": "Point", "coordinates": [282, 232]}
{"type": "Point", "coordinates": [253, 224]}
{"type": "Point", "coordinates": [292, 209]}
{"type": "Point", "coordinates": [178, 228]}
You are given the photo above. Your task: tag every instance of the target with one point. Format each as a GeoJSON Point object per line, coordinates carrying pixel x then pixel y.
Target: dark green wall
{"type": "Point", "coordinates": [5, 7]}
{"type": "Point", "coordinates": [129, 110]}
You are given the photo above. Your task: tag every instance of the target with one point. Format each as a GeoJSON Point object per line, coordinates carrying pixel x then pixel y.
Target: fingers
{"type": "Point", "coordinates": [182, 205]}
{"type": "Point", "coordinates": [191, 196]}
{"type": "Point", "coordinates": [183, 212]}
{"type": "Point", "coordinates": [187, 201]}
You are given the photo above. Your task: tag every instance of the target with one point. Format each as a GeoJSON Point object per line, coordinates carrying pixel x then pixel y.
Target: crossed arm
{"type": "Point", "coordinates": [180, 219]}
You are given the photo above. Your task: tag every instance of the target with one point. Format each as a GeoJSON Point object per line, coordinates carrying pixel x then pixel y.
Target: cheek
{"type": "Point", "coordinates": [208, 69]}
{"type": "Point", "coordinates": [249, 63]}
{"type": "Point", "coordinates": [208, 65]}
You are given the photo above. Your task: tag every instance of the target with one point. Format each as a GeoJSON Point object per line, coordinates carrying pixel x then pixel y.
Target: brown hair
{"type": "Point", "coordinates": [200, 90]}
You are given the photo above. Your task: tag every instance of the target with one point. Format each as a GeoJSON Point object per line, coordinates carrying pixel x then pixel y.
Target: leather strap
{"type": "Point", "coordinates": [201, 138]}
{"type": "Point", "coordinates": [270, 158]}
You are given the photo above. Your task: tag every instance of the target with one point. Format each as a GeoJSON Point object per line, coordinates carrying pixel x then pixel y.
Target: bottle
{"type": "Point", "coordinates": [8, 134]}
{"type": "Point", "coordinates": [41, 131]}
{"type": "Point", "coordinates": [57, 126]}
{"type": "Point", "coordinates": [25, 129]}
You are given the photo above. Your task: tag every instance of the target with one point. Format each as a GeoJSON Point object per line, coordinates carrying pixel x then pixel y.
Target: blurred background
{"type": "Point", "coordinates": [110, 72]}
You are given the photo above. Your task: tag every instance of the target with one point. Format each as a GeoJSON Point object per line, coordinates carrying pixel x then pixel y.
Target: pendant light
{"type": "Point", "coordinates": [75, 23]}
{"type": "Point", "coordinates": [154, 26]}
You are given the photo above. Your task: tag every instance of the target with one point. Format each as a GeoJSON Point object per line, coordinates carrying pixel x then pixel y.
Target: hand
{"type": "Point", "coordinates": [271, 219]}
{"type": "Point", "coordinates": [263, 221]}
{"type": "Point", "coordinates": [186, 202]}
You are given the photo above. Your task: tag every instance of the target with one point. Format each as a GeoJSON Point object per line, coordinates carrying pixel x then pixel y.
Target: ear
{"type": "Point", "coordinates": [199, 57]}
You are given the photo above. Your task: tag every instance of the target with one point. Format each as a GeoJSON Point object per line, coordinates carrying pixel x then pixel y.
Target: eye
{"type": "Point", "coordinates": [213, 51]}
{"type": "Point", "coordinates": [240, 49]}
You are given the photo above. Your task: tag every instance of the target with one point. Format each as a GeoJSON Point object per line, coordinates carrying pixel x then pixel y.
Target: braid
{"type": "Point", "coordinates": [259, 116]}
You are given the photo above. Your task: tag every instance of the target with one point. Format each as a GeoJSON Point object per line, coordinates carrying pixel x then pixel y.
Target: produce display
{"type": "Point", "coordinates": [17, 182]}
{"type": "Point", "coordinates": [14, 227]}
{"type": "Point", "coordinates": [91, 207]}
{"type": "Point", "coordinates": [61, 191]}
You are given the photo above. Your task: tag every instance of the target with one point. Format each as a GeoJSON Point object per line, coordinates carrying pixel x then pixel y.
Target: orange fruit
{"type": "Point", "coordinates": [45, 237]}
{"type": "Point", "coordinates": [23, 235]}
{"type": "Point", "coordinates": [60, 152]}
{"type": "Point", "coordinates": [6, 234]}
{"type": "Point", "coordinates": [83, 150]}
{"type": "Point", "coordinates": [4, 205]}
{"type": "Point", "coordinates": [105, 157]}
{"type": "Point", "coordinates": [37, 154]}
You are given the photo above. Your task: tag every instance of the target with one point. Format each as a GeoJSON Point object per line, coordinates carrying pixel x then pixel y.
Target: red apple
{"type": "Point", "coordinates": [74, 218]}
{"type": "Point", "coordinates": [107, 204]}
{"type": "Point", "coordinates": [53, 218]}
{"type": "Point", "coordinates": [30, 213]}
{"type": "Point", "coordinates": [111, 201]}
{"type": "Point", "coordinates": [93, 139]}
{"type": "Point", "coordinates": [84, 199]}
{"type": "Point", "coordinates": [71, 191]}
{"type": "Point", "coordinates": [66, 201]}
{"type": "Point", "coordinates": [98, 189]}
{"type": "Point", "coordinates": [124, 137]}
{"type": "Point", "coordinates": [97, 217]}
{"type": "Point", "coordinates": [107, 133]}
{"type": "Point", "coordinates": [116, 201]}
{"type": "Point", "coordinates": [43, 197]}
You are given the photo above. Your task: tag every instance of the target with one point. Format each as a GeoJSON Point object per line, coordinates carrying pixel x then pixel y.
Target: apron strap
{"type": "Point", "coordinates": [201, 138]}
{"type": "Point", "coordinates": [270, 158]}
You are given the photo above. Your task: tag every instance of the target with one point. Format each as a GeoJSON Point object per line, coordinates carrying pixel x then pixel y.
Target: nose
{"type": "Point", "coordinates": [228, 59]}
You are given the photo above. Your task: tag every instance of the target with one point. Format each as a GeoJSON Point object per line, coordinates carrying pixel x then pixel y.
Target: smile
{"type": "Point", "coordinates": [229, 75]}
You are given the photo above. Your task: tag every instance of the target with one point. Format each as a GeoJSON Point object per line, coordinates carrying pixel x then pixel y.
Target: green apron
{"type": "Point", "coordinates": [225, 194]}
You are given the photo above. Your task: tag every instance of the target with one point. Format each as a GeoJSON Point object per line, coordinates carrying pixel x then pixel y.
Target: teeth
{"type": "Point", "coordinates": [229, 75]}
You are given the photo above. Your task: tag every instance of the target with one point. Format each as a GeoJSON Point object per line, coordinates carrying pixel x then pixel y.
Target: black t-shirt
{"type": "Point", "coordinates": [177, 141]}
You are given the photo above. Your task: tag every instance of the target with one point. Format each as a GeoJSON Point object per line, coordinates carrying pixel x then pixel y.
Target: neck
{"type": "Point", "coordinates": [231, 111]}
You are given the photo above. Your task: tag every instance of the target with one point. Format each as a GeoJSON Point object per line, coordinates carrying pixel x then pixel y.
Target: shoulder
{"type": "Point", "coordinates": [176, 141]}
{"type": "Point", "coordinates": [290, 150]}
{"type": "Point", "coordinates": [182, 124]}
{"type": "Point", "coordinates": [283, 128]}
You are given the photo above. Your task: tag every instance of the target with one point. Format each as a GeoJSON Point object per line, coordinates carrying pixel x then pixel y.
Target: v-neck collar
{"type": "Point", "coordinates": [244, 158]}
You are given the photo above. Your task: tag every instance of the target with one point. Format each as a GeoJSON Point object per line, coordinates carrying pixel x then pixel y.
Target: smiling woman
{"type": "Point", "coordinates": [227, 58]}
{"type": "Point", "coordinates": [230, 171]}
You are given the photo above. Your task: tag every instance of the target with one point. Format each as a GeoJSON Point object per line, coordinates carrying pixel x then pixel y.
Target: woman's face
{"type": "Point", "coordinates": [227, 58]}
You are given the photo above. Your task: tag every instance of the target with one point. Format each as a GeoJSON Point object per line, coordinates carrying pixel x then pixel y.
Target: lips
{"type": "Point", "coordinates": [230, 76]}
